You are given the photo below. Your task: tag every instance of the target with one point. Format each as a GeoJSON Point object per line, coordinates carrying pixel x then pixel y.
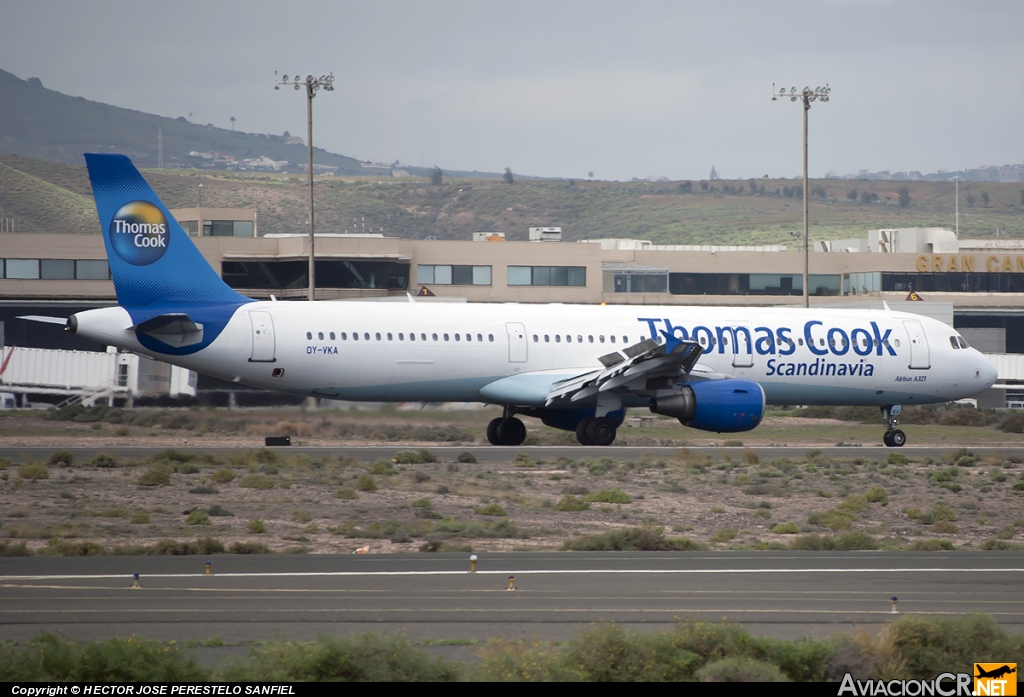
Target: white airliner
{"type": "Point", "coordinates": [575, 367]}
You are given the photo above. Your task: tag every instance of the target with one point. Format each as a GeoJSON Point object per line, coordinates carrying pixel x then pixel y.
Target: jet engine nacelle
{"type": "Point", "coordinates": [722, 406]}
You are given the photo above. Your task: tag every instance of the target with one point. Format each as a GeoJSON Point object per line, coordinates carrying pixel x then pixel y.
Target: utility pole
{"type": "Point", "coordinates": [312, 84]}
{"type": "Point", "coordinates": [807, 96]}
{"type": "Point", "coordinates": [957, 178]}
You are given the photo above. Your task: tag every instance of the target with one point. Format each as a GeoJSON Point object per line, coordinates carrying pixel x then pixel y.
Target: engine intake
{"type": "Point", "coordinates": [722, 406]}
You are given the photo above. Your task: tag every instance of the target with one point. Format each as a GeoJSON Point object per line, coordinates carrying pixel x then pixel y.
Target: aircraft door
{"type": "Point", "coordinates": [920, 356]}
{"type": "Point", "coordinates": [742, 347]}
{"type": "Point", "coordinates": [517, 345]}
{"type": "Point", "coordinates": [263, 343]}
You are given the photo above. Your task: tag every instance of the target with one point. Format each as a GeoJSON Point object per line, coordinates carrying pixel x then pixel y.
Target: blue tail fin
{"type": "Point", "coordinates": [151, 258]}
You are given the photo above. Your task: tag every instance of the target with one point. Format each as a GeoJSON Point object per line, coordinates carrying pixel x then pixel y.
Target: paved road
{"type": "Point", "coordinates": [262, 597]}
{"type": "Point", "coordinates": [488, 453]}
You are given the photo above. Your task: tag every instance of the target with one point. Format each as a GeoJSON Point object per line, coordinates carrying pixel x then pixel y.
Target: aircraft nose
{"type": "Point", "coordinates": [986, 371]}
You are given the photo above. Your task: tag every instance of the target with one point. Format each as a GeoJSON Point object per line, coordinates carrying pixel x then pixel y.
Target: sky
{"type": "Point", "coordinates": [560, 88]}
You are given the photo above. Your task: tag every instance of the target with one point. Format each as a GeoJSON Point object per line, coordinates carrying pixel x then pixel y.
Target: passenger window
{"type": "Point", "coordinates": [309, 336]}
{"type": "Point", "coordinates": [355, 336]}
{"type": "Point", "coordinates": [401, 337]}
{"type": "Point", "coordinates": [702, 340]}
{"type": "Point", "coordinates": [456, 337]}
{"type": "Point", "coordinates": [320, 335]}
{"type": "Point", "coordinates": [378, 336]}
{"type": "Point", "coordinates": [490, 337]}
{"type": "Point", "coordinates": [423, 337]}
{"type": "Point", "coordinates": [625, 339]}
{"type": "Point", "coordinates": [366, 336]}
{"type": "Point", "coordinates": [590, 338]}
{"type": "Point", "coordinates": [558, 338]}
{"type": "Point", "coordinates": [332, 336]}
{"type": "Point", "coordinates": [601, 338]}
{"type": "Point", "coordinates": [800, 341]}
{"type": "Point", "coordinates": [568, 338]}
{"type": "Point", "coordinates": [412, 336]}
{"type": "Point", "coordinates": [479, 337]}
{"type": "Point", "coordinates": [725, 341]}
{"type": "Point", "coordinates": [390, 338]}
{"type": "Point", "coordinates": [897, 342]}
{"type": "Point", "coordinates": [434, 336]}
{"type": "Point", "coordinates": [344, 336]}
{"type": "Point", "coordinates": [547, 338]}
{"type": "Point", "coordinates": [612, 337]}
{"type": "Point", "coordinates": [821, 342]}
{"type": "Point", "coordinates": [469, 337]}
{"type": "Point", "coordinates": [535, 338]}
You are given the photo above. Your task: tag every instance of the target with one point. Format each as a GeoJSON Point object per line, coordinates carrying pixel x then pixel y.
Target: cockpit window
{"type": "Point", "coordinates": [953, 341]}
{"type": "Point", "coordinates": [963, 344]}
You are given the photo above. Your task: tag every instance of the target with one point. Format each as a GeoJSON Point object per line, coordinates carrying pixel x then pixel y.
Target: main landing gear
{"type": "Point", "coordinates": [893, 438]}
{"type": "Point", "coordinates": [507, 430]}
{"type": "Point", "coordinates": [599, 431]}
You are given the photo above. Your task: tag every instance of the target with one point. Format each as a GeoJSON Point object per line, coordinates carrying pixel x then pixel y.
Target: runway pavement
{"type": "Point", "coordinates": [489, 453]}
{"type": "Point", "coordinates": [263, 597]}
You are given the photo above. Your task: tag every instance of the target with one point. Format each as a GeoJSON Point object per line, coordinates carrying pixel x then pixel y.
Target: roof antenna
{"type": "Point", "coordinates": [885, 306]}
{"type": "Point", "coordinates": [409, 295]}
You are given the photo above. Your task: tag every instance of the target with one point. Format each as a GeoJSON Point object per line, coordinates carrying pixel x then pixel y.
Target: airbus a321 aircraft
{"type": "Point", "coordinates": [574, 367]}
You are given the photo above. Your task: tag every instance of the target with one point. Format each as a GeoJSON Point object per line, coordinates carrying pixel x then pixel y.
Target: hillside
{"type": "Point", "coordinates": [55, 197]}
{"type": "Point", "coordinates": [41, 123]}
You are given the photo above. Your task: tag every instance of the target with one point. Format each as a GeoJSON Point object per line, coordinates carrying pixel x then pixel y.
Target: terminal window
{"type": "Point", "coordinates": [453, 275]}
{"type": "Point", "coordinates": [547, 275]}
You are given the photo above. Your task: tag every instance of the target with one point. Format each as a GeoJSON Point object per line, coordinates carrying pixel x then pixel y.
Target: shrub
{"type": "Point", "coordinates": [345, 492]}
{"type": "Point", "coordinates": [615, 495]}
{"type": "Point", "coordinates": [174, 456]}
{"type": "Point", "coordinates": [256, 481]}
{"type": "Point", "coordinates": [833, 518]}
{"type": "Point", "coordinates": [492, 509]}
{"type": "Point", "coordinates": [787, 528]}
{"type": "Point", "coordinates": [877, 494]}
{"type": "Point", "coordinates": [645, 539]}
{"type": "Point", "coordinates": [140, 518]}
{"type": "Point", "coordinates": [361, 658]}
{"type": "Point", "coordinates": [420, 477]}
{"type": "Point", "coordinates": [750, 457]}
{"type": "Point", "coordinates": [413, 457]}
{"type": "Point", "coordinates": [61, 457]}
{"type": "Point", "coordinates": [740, 669]}
{"type": "Point", "coordinates": [301, 517]}
{"type": "Point", "coordinates": [203, 489]}
{"type": "Point", "coordinates": [218, 510]}
{"type": "Point", "coordinates": [198, 518]}
{"type": "Point", "coordinates": [256, 526]}
{"type": "Point", "coordinates": [249, 548]}
{"type": "Point", "coordinates": [897, 459]}
{"type": "Point", "coordinates": [157, 475]}
{"type": "Point", "coordinates": [14, 549]}
{"type": "Point", "coordinates": [524, 460]}
{"type": "Point", "coordinates": [930, 545]}
{"type": "Point", "coordinates": [34, 470]}
{"type": "Point", "coordinates": [383, 467]}
{"type": "Point", "coordinates": [571, 503]}
{"type": "Point", "coordinates": [723, 535]}
{"type": "Point", "coordinates": [103, 461]}
{"type": "Point", "coordinates": [202, 545]}
{"type": "Point", "coordinates": [850, 541]}
{"type": "Point", "coordinates": [466, 458]}
{"type": "Point", "coordinates": [222, 475]}
{"type": "Point", "coordinates": [366, 483]}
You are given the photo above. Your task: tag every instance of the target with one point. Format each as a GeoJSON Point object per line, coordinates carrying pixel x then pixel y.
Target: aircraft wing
{"type": "Point", "coordinates": [647, 365]}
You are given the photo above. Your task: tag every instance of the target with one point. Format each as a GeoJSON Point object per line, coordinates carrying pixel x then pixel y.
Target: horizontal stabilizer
{"type": "Point", "coordinates": [175, 329]}
{"type": "Point", "coordinates": [48, 320]}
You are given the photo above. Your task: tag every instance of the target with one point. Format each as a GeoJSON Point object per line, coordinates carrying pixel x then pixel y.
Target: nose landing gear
{"type": "Point", "coordinates": [893, 438]}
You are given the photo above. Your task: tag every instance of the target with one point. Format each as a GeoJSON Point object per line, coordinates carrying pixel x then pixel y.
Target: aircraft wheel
{"type": "Point", "coordinates": [887, 439]}
{"type": "Point", "coordinates": [601, 431]}
{"type": "Point", "coordinates": [897, 438]}
{"type": "Point", "coordinates": [492, 432]}
{"type": "Point", "coordinates": [510, 432]}
{"type": "Point", "coordinates": [581, 431]}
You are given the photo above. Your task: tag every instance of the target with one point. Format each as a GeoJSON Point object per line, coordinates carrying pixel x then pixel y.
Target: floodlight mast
{"type": "Point", "coordinates": [312, 85]}
{"type": "Point", "coordinates": [819, 94]}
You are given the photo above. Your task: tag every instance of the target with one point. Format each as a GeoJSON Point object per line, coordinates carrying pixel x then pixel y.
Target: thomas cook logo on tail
{"type": "Point", "coordinates": [139, 233]}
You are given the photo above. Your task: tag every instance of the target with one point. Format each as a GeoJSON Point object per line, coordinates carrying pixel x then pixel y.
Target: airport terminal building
{"type": "Point", "coordinates": [977, 285]}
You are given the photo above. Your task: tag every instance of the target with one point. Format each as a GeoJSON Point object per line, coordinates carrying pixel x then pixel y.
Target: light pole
{"type": "Point", "coordinates": [312, 84]}
{"type": "Point", "coordinates": [807, 96]}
